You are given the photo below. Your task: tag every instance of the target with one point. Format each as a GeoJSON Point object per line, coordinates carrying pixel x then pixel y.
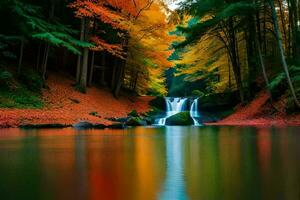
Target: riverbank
{"type": "Point", "coordinates": [64, 106]}
{"type": "Point", "coordinates": [260, 112]}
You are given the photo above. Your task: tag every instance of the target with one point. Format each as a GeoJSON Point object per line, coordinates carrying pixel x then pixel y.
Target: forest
{"type": "Point", "coordinates": [93, 59]}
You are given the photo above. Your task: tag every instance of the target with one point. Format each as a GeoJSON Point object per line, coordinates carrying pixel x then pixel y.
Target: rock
{"type": "Point", "coordinates": [135, 121]}
{"type": "Point", "coordinates": [117, 126]}
{"type": "Point", "coordinates": [99, 126]}
{"type": "Point", "coordinates": [149, 120]}
{"type": "Point", "coordinates": [88, 125]}
{"type": "Point", "coordinates": [180, 119]}
{"type": "Point", "coordinates": [83, 125]}
{"type": "Point", "coordinates": [43, 126]}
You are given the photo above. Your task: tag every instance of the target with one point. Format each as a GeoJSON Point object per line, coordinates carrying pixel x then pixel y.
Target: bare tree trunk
{"type": "Point", "coordinates": [102, 76]}
{"type": "Point", "coordinates": [92, 69]}
{"type": "Point", "coordinates": [265, 28]}
{"type": "Point", "coordinates": [119, 80]}
{"type": "Point", "coordinates": [229, 73]}
{"type": "Point", "coordinates": [44, 67]}
{"type": "Point", "coordinates": [262, 64]}
{"type": "Point", "coordinates": [234, 61]}
{"type": "Point", "coordinates": [84, 69]}
{"type": "Point", "coordinates": [38, 57]}
{"type": "Point", "coordinates": [113, 78]}
{"type": "Point", "coordinates": [83, 77]}
{"type": "Point", "coordinates": [79, 58]}
{"type": "Point", "coordinates": [135, 81]}
{"type": "Point", "coordinates": [281, 51]}
{"type": "Point", "coordinates": [21, 56]}
{"type": "Point", "coordinates": [283, 24]}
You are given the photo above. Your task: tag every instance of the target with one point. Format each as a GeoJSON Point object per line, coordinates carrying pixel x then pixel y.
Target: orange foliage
{"type": "Point", "coordinates": [145, 32]}
{"type": "Point", "coordinates": [60, 109]}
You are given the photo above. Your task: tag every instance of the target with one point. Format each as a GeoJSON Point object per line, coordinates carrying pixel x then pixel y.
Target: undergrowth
{"type": "Point", "coordinates": [23, 91]}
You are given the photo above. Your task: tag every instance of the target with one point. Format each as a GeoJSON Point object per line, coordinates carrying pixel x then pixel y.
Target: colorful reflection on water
{"type": "Point", "coordinates": [210, 163]}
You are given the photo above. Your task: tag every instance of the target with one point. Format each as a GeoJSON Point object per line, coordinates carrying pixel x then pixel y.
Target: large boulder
{"type": "Point", "coordinates": [180, 119]}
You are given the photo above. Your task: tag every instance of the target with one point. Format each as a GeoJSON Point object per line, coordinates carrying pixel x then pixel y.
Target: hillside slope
{"type": "Point", "coordinates": [65, 105]}
{"type": "Point", "coordinates": [260, 112]}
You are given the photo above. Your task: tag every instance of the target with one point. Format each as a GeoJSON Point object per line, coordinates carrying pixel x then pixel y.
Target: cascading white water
{"type": "Point", "coordinates": [194, 113]}
{"type": "Point", "coordinates": [174, 105]}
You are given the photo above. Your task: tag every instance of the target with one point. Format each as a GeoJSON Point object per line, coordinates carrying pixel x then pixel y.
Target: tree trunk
{"type": "Point", "coordinates": [135, 81]}
{"type": "Point", "coordinates": [84, 69]}
{"type": "Point", "coordinates": [281, 51]}
{"type": "Point", "coordinates": [38, 57]}
{"type": "Point", "coordinates": [265, 28]}
{"type": "Point", "coordinates": [92, 69]}
{"type": "Point", "coordinates": [79, 58]}
{"type": "Point", "coordinates": [234, 61]}
{"type": "Point", "coordinates": [258, 27]}
{"type": "Point", "coordinates": [113, 78]}
{"type": "Point", "coordinates": [262, 64]}
{"type": "Point", "coordinates": [85, 59]}
{"type": "Point", "coordinates": [283, 24]}
{"type": "Point", "coordinates": [21, 56]}
{"type": "Point", "coordinates": [44, 68]}
{"type": "Point", "coordinates": [102, 76]}
{"type": "Point", "coordinates": [252, 62]}
{"type": "Point", "coordinates": [119, 80]}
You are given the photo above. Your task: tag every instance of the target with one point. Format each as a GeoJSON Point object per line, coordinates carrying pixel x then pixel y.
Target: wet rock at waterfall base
{"type": "Point", "coordinates": [180, 119]}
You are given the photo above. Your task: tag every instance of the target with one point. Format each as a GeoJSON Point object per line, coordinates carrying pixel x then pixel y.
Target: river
{"type": "Point", "coordinates": [165, 163]}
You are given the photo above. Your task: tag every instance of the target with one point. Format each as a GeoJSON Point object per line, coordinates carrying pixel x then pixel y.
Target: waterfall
{"type": "Point", "coordinates": [194, 112]}
{"type": "Point", "coordinates": [174, 105]}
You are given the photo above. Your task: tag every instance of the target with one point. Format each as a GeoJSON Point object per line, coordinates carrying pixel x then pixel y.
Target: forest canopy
{"type": "Point", "coordinates": [157, 47]}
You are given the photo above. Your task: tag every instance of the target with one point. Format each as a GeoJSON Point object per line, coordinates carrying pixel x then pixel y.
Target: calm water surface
{"type": "Point", "coordinates": [170, 163]}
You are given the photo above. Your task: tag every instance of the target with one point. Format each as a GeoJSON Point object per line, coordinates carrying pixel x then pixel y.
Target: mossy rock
{"type": "Point", "coordinates": [135, 121]}
{"type": "Point", "coordinates": [133, 113]}
{"type": "Point", "coordinates": [180, 119]}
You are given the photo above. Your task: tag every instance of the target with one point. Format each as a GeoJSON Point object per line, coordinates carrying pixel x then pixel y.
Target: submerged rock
{"type": "Point", "coordinates": [180, 119]}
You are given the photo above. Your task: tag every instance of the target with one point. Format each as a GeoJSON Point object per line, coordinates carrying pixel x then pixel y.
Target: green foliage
{"type": "Point", "coordinates": [219, 10]}
{"type": "Point", "coordinates": [19, 93]}
{"type": "Point", "coordinates": [197, 93]}
{"type": "Point", "coordinates": [34, 25]}
{"type": "Point", "coordinates": [19, 98]}
{"type": "Point", "coordinates": [5, 41]}
{"type": "Point", "coordinates": [32, 80]}
{"type": "Point", "coordinates": [278, 86]}
{"type": "Point", "coordinates": [276, 81]}
{"type": "Point", "coordinates": [62, 40]}
{"type": "Point", "coordinates": [6, 79]}
{"type": "Point", "coordinates": [133, 113]}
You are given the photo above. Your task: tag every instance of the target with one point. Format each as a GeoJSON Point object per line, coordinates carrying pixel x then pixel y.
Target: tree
{"type": "Point", "coordinates": [281, 50]}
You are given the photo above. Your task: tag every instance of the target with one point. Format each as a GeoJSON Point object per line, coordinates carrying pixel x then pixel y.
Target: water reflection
{"type": "Point", "coordinates": [174, 186]}
{"type": "Point", "coordinates": [151, 163]}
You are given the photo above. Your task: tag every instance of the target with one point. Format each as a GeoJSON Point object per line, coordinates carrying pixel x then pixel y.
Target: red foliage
{"type": "Point", "coordinates": [61, 109]}
{"type": "Point", "coordinates": [259, 113]}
